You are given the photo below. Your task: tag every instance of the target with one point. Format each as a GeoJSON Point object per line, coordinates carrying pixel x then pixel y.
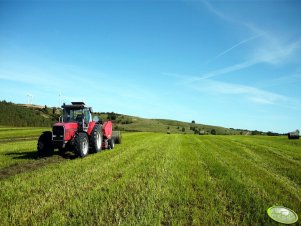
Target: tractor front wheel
{"type": "Point", "coordinates": [81, 144]}
{"type": "Point", "coordinates": [45, 147]}
{"type": "Point", "coordinates": [62, 151]}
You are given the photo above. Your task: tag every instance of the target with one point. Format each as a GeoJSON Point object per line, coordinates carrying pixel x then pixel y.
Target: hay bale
{"type": "Point", "coordinates": [293, 135]}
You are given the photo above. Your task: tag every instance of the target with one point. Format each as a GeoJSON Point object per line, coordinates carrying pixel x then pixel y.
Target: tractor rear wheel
{"type": "Point", "coordinates": [45, 147]}
{"type": "Point", "coordinates": [81, 143]}
{"type": "Point", "coordinates": [111, 143]}
{"type": "Point", "coordinates": [96, 139]}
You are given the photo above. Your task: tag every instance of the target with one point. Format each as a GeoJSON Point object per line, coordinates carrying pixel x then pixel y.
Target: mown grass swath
{"type": "Point", "coordinates": [155, 178]}
{"type": "Point", "coordinates": [19, 133]}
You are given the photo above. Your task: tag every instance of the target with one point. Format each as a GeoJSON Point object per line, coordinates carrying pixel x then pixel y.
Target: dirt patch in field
{"type": "Point", "coordinates": [18, 168]}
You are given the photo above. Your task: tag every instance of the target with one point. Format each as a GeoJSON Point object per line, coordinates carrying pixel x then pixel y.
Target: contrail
{"type": "Point", "coordinates": [236, 45]}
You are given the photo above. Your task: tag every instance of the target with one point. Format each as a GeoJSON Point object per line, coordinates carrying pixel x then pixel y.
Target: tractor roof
{"type": "Point", "coordinates": [75, 105]}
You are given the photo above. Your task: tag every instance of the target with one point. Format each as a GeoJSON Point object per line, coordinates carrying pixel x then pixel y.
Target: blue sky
{"type": "Point", "coordinates": [227, 63]}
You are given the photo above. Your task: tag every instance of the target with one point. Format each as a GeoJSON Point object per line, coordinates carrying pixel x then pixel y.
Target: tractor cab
{"type": "Point", "coordinates": [77, 112]}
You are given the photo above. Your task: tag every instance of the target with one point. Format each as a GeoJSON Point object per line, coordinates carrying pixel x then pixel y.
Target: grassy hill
{"type": "Point", "coordinates": [40, 116]}
{"type": "Point", "coordinates": [18, 115]}
{"type": "Point", "coordinates": [130, 123]}
{"type": "Point", "coordinates": [138, 124]}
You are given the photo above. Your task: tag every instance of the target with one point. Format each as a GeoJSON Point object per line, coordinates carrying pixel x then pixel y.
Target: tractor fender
{"type": "Point", "coordinates": [91, 127]}
{"type": "Point", "coordinates": [107, 129]}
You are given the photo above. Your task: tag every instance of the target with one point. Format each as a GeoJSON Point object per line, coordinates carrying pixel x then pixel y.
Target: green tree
{"type": "Point", "coordinates": [45, 109]}
{"type": "Point", "coordinates": [112, 116]}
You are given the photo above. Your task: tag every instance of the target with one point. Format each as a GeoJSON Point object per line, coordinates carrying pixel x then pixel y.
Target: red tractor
{"type": "Point", "coordinates": [77, 132]}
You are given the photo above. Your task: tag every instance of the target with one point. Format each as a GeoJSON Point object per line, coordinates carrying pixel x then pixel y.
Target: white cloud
{"type": "Point", "coordinates": [217, 12]}
{"type": "Point", "coordinates": [277, 53]}
{"type": "Point", "coordinates": [23, 76]}
{"type": "Point", "coordinates": [270, 47]}
{"type": "Point", "coordinates": [226, 70]}
{"type": "Point", "coordinates": [250, 93]}
{"type": "Point", "coordinates": [269, 54]}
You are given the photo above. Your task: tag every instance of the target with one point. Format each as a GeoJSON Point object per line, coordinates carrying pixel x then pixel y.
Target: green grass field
{"type": "Point", "coordinates": [151, 179]}
{"type": "Point", "coordinates": [19, 133]}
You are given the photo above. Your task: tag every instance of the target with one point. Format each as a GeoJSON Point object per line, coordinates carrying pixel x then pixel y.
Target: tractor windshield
{"type": "Point", "coordinates": [76, 115]}
{"type": "Point", "coordinates": [72, 115]}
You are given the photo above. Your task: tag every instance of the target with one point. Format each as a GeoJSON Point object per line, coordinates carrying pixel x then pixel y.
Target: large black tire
{"type": "Point", "coordinates": [66, 148]}
{"type": "Point", "coordinates": [96, 139]}
{"type": "Point", "coordinates": [44, 146]}
{"type": "Point", "coordinates": [111, 143]}
{"type": "Point", "coordinates": [62, 151]}
{"type": "Point", "coordinates": [81, 143]}
{"type": "Point", "coordinates": [116, 136]}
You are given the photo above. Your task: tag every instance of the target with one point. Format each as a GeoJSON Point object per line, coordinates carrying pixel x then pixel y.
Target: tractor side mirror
{"type": "Point", "coordinates": [95, 119]}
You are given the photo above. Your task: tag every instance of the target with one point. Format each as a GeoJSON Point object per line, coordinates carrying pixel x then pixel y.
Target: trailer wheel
{"type": "Point", "coordinates": [116, 136]}
{"type": "Point", "coordinates": [81, 144]}
{"type": "Point", "coordinates": [45, 147]}
{"type": "Point", "coordinates": [96, 139]}
{"type": "Point", "coordinates": [111, 143]}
